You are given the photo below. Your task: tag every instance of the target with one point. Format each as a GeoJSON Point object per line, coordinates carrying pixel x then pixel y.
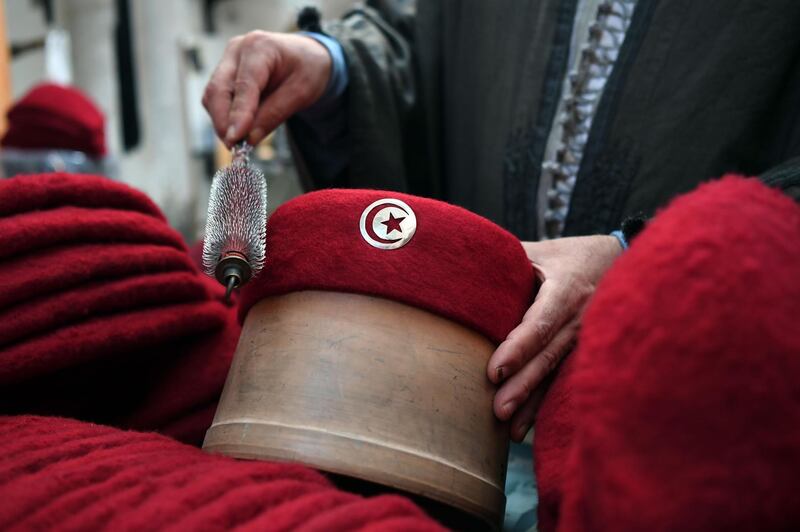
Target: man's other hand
{"type": "Point", "coordinates": [569, 270]}
{"type": "Point", "coordinates": [263, 79]}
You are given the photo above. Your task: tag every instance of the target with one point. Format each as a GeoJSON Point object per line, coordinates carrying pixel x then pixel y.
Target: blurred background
{"type": "Point", "coordinates": [145, 63]}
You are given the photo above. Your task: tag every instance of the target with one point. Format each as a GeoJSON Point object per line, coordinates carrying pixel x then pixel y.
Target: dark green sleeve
{"type": "Point", "coordinates": [391, 107]}
{"type": "Point", "coordinates": [785, 177]}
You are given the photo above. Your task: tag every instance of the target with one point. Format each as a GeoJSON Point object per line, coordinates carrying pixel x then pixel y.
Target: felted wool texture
{"type": "Point", "coordinates": [91, 300]}
{"type": "Point", "coordinates": [60, 474]}
{"type": "Point", "coordinates": [106, 390]}
{"type": "Point", "coordinates": [172, 388]}
{"type": "Point", "coordinates": [188, 381]}
{"type": "Point", "coordinates": [553, 436]}
{"type": "Point", "coordinates": [686, 411]}
{"type": "Point", "coordinates": [96, 327]}
{"type": "Point", "coordinates": [127, 332]}
{"type": "Point", "coordinates": [56, 117]}
{"type": "Point", "coordinates": [23, 278]}
{"type": "Point", "coordinates": [25, 193]}
{"type": "Point", "coordinates": [457, 265]}
{"type": "Point", "coordinates": [196, 254]}
{"type": "Point", "coordinates": [152, 377]}
{"type": "Point", "coordinates": [61, 101]}
{"type": "Point", "coordinates": [65, 102]}
{"type": "Point", "coordinates": [30, 231]}
{"type": "Point", "coordinates": [39, 131]}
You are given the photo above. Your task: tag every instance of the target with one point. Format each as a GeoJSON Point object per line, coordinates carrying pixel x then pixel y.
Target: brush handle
{"type": "Point", "coordinates": [241, 153]}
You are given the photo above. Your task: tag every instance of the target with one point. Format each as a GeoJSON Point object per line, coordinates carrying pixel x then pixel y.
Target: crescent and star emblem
{"type": "Point", "coordinates": [388, 224]}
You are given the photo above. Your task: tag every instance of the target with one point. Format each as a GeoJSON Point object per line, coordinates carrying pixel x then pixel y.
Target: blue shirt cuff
{"type": "Point", "coordinates": [331, 99]}
{"type": "Point", "coordinates": [620, 238]}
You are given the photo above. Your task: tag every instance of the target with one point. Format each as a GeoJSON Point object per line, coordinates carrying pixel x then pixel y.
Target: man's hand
{"type": "Point", "coordinates": [263, 79]}
{"type": "Point", "coordinates": [569, 269]}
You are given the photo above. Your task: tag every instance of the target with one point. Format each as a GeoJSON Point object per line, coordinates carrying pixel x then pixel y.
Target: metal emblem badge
{"type": "Point", "coordinates": [388, 224]}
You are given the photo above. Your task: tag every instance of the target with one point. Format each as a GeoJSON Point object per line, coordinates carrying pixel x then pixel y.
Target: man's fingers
{"type": "Point", "coordinates": [252, 76]}
{"type": "Point", "coordinates": [523, 418]}
{"type": "Point", "coordinates": [276, 109]}
{"type": "Point", "coordinates": [218, 94]}
{"type": "Point", "coordinates": [551, 309]}
{"type": "Point", "coordinates": [516, 390]}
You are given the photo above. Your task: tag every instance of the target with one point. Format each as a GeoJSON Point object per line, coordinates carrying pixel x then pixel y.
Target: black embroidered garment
{"type": "Point", "coordinates": [455, 99]}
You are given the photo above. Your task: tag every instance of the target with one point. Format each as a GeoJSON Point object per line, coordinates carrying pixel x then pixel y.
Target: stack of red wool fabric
{"type": "Point", "coordinates": [103, 315]}
{"type": "Point", "coordinates": [58, 474]}
{"type": "Point", "coordinates": [53, 116]}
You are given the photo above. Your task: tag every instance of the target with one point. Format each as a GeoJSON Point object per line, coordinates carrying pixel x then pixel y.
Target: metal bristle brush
{"type": "Point", "coordinates": [234, 246]}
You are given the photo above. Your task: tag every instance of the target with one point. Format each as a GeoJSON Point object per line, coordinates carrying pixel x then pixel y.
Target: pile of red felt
{"type": "Point", "coordinates": [103, 315]}
{"type": "Point", "coordinates": [680, 407]}
{"type": "Point", "coordinates": [54, 116]}
{"type": "Point", "coordinates": [68, 475]}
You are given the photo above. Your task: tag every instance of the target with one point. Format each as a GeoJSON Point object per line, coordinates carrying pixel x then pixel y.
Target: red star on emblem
{"type": "Point", "coordinates": [393, 224]}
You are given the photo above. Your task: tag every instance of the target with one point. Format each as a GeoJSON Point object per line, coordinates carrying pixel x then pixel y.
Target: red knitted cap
{"type": "Point", "coordinates": [440, 257]}
{"type": "Point", "coordinates": [54, 116]}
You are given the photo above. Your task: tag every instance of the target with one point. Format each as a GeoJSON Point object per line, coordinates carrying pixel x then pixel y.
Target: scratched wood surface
{"type": "Point", "coordinates": [368, 388]}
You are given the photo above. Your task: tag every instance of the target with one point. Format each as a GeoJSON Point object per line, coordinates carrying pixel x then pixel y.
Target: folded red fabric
{"type": "Point", "coordinates": [49, 271]}
{"type": "Point", "coordinates": [27, 193]}
{"type": "Point", "coordinates": [172, 388]}
{"type": "Point", "coordinates": [189, 380]}
{"type": "Point", "coordinates": [60, 474]}
{"type": "Point", "coordinates": [106, 390]}
{"type": "Point", "coordinates": [143, 350]}
{"type": "Point", "coordinates": [457, 264]}
{"type": "Point", "coordinates": [30, 231]}
{"type": "Point", "coordinates": [115, 335]}
{"type": "Point", "coordinates": [685, 408]}
{"type": "Point", "coordinates": [52, 116]}
{"type": "Point", "coordinates": [103, 315]}
{"type": "Point", "coordinates": [97, 299]}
